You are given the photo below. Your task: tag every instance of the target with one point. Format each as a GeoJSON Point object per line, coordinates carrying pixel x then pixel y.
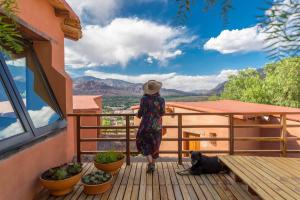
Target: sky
{"type": "Point", "coordinates": [140, 40]}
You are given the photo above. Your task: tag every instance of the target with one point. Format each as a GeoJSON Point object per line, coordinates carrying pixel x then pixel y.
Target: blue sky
{"type": "Point", "coordinates": [138, 40]}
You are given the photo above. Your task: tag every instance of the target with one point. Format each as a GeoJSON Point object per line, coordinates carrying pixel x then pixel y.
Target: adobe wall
{"type": "Point", "coordinates": [20, 172]}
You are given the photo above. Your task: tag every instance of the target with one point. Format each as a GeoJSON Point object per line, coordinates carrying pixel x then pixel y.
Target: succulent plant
{"type": "Point", "coordinates": [62, 172]}
{"type": "Point", "coordinates": [95, 178]}
{"type": "Point", "coordinates": [108, 157]}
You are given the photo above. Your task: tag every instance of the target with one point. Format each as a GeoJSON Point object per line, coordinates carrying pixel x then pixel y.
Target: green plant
{"type": "Point", "coordinates": [62, 172]}
{"type": "Point", "coordinates": [108, 157]}
{"type": "Point", "coordinates": [10, 36]}
{"type": "Point", "coordinates": [95, 178]}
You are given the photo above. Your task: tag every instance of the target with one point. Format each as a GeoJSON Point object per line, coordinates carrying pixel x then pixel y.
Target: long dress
{"type": "Point", "coordinates": [149, 135]}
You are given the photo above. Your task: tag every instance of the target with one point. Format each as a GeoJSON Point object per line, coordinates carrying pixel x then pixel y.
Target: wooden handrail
{"type": "Point", "coordinates": [179, 126]}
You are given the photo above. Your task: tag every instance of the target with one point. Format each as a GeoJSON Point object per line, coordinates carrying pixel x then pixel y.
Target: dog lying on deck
{"type": "Point", "coordinates": [202, 164]}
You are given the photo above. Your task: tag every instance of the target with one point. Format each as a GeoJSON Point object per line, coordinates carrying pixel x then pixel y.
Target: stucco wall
{"type": "Point", "coordinates": [20, 171]}
{"type": "Point", "coordinates": [207, 120]}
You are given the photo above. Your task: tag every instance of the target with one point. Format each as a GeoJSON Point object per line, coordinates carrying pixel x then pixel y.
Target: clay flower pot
{"type": "Point", "coordinates": [97, 189]}
{"type": "Point", "coordinates": [61, 187]}
{"type": "Point", "coordinates": [111, 168]}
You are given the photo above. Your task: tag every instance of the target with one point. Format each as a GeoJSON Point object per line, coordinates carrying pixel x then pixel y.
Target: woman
{"type": "Point", "coordinates": [149, 135]}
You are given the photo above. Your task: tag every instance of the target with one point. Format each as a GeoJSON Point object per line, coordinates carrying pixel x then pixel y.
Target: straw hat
{"type": "Point", "coordinates": [152, 87]}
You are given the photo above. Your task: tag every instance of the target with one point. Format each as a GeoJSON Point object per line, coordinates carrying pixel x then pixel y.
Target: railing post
{"type": "Point", "coordinates": [180, 139]}
{"type": "Point", "coordinates": [231, 134]}
{"type": "Point", "coordinates": [78, 138]}
{"type": "Point", "coordinates": [127, 140]}
{"type": "Point", "coordinates": [283, 137]}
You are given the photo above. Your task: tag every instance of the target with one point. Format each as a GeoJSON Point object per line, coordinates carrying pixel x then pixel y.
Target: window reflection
{"type": "Point", "coordinates": [9, 122]}
{"type": "Point", "coordinates": [32, 90]}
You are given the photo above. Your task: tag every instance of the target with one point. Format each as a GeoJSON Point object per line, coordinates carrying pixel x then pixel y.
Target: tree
{"type": "Point", "coordinates": [282, 82]}
{"type": "Point", "coordinates": [279, 85]}
{"type": "Point", "coordinates": [247, 86]}
{"type": "Point", "coordinates": [279, 24]}
{"type": "Point", "coordinates": [10, 37]}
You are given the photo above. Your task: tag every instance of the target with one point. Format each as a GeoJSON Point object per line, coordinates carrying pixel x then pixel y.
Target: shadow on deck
{"type": "Point", "coordinates": [132, 182]}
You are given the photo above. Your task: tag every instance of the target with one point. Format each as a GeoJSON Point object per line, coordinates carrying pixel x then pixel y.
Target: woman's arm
{"type": "Point", "coordinates": [163, 108]}
{"type": "Point", "coordinates": [141, 109]}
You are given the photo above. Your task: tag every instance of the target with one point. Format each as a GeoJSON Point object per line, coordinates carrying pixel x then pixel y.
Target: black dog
{"type": "Point", "coordinates": [202, 164]}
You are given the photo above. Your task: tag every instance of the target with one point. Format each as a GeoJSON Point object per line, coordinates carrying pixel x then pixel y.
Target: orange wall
{"type": "Point", "coordinates": [207, 120]}
{"type": "Point", "coordinates": [20, 171]}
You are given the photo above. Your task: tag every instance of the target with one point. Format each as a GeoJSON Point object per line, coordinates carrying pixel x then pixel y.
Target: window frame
{"type": "Point", "coordinates": [31, 133]}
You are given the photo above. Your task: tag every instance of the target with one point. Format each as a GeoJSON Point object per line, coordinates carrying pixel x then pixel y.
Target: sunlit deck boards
{"type": "Point", "coordinates": [132, 182]}
{"type": "Point", "coordinates": [269, 177]}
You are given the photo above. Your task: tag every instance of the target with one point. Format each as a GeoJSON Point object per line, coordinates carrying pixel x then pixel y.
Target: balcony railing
{"type": "Point", "coordinates": [231, 126]}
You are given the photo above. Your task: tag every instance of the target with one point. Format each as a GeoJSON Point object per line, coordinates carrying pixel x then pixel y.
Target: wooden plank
{"type": "Point", "coordinates": [272, 182]}
{"type": "Point", "coordinates": [143, 182]}
{"type": "Point", "coordinates": [249, 178]}
{"type": "Point", "coordinates": [210, 187]}
{"type": "Point", "coordinates": [169, 187]}
{"type": "Point", "coordinates": [156, 184]}
{"type": "Point", "coordinates": [182, 186]}
{"type": "Point", "coordinates": [115, 188]}
{"type": "Point", "coordinates": [149, 189]}
{"type": "Point", "coordinates": [135, 192]}
{"type": "Point", "coordinates": [195, 185]}
{"type": "Point", "coordinates": [129, 186]}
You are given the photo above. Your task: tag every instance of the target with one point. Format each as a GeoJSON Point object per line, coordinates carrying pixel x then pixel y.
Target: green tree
{"type": "Point", "coordinates": [10, 37]}
{"type": "Point", "coordinates": [279, 85]}
{"type": "Point", "coordinates": [247, 85]}
{"type": "Point", "coordinates": [282, 82]}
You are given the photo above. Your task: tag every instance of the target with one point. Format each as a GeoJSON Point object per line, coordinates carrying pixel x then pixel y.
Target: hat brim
{"type": "Point", "coordinates": [154, 91]}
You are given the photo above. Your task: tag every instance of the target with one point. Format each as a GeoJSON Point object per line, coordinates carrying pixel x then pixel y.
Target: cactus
{"type": "Point", "coordinates": [108, 157]}
{"type": "Point", "coordinates": [95, 178]}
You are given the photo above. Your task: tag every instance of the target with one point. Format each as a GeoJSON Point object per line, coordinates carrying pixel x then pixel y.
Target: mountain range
{"type": "Point", "coordinates": [87, 85]}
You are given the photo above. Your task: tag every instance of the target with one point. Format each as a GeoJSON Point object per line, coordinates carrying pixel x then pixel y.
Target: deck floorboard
{"type": "Point", "coordinates": [132, 182]}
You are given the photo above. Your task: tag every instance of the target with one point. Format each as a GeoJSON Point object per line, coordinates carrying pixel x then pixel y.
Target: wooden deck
{"type": "Point", "coordinates": [132, 182]}
{"type": "Point", "coordinates": [269, 177]}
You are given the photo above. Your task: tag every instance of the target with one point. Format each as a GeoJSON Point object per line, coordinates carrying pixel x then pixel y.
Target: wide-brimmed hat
{"type": "Point", "coordinates": [152, 87]}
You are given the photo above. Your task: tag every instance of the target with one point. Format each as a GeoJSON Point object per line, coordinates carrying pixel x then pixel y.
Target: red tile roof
{"type": "Point", "coordinates": [232, 106]}
{"type": "Point", "coordinates": [86, 102]}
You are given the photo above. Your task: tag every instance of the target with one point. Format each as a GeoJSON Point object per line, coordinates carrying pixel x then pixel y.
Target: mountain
{"type": "Point", "coordinates": [87, 85]}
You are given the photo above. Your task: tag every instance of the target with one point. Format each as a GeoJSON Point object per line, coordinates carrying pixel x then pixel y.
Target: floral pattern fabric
{"type": "Point", "coordinates": [149, 135]}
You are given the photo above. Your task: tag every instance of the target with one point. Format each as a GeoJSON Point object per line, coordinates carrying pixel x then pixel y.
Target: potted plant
{"type": "Point", "coordinates": [61, 180]}
{"type": "Point", "coordinates": [96, 182]}
{"type": "Point", "coordinates": [109, 162]}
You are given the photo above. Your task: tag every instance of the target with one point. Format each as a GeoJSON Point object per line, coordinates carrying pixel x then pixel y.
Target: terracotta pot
{"type": "Point", "coordinates": [61, 187]}
{"type": "Point", "coordinates": [97, 189]}
{"type": "Point", "coordinates": [111, 168]}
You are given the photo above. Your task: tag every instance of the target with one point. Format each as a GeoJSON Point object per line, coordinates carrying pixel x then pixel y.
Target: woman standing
{"type": "Point", "coordinates": [149, 135]}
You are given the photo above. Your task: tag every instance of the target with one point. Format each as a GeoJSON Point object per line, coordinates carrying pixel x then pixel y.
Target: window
{"type": "Point", "coordinates": [213, 142]}
{"type": "Point", "coordinates": [10, 124]}
{"type": "Point", "coordinates": [28, 108]}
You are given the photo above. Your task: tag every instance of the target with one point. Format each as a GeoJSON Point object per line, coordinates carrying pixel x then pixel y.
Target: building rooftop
{"type": "Point", "coordinates": [88, 102]}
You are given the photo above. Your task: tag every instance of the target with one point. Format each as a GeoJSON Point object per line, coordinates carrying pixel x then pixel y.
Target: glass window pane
{"type": "Point", "coordinates": [33, 91]}
{"type": "Point", "coordinates": [10, 125]}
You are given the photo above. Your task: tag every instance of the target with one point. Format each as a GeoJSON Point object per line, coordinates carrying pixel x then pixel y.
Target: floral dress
{"type": "Point", "coordinates": [149, 135]}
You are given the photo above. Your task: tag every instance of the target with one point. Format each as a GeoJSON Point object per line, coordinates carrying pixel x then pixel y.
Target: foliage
{"type": "Point", "coordinates": [62, 172]}
{"type": "Point", "coordinates": [279, 85]}
{"type": "Point", "coordinates": [280, 25]}
{"type": "Point", "coordinates": [10, 37]}
{"type": "Point", "coordinates": [108, 157]}
{"type": "Point", "coordinates": [95, 178]}
{"type": "Point", "coordinates": [282, 82]}
{"type": "Point", "coordinates": [184, 7]}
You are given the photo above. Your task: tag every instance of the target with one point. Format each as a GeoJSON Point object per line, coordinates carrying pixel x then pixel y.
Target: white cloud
{"type": "Point", "coordinates": [95, 11]}
{"type": "Point", "coordinates": [125, 39]}
{"type": "Point", "coordinates": [171, 80]}
{"type": "Point", "coordinates": [232, 41]}
{"type": "Point", "coordinates": [40, 118]}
